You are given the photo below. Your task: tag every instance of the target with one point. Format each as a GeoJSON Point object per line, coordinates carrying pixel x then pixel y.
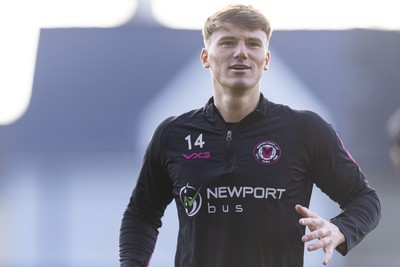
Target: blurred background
{"type": "Point", "coordinates": [83, 84]}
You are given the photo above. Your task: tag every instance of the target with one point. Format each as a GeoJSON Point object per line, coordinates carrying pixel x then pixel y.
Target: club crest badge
{"type": "Point", "coordinates": [267, 152]}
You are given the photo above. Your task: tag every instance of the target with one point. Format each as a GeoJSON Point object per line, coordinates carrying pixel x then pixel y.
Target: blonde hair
{"type": "Point", "coordinates": [244, 15]}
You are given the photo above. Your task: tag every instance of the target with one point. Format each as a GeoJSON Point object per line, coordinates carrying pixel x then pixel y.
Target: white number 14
{"type": "Point", "coordinates": [199, 141]}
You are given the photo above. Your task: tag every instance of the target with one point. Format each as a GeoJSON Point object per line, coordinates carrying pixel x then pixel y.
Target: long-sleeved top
{"type": "Point", "coordinates": [236, 186]}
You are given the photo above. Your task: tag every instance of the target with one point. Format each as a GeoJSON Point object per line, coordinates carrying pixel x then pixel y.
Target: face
{"type": "Point", "coordinates": [236, 57]}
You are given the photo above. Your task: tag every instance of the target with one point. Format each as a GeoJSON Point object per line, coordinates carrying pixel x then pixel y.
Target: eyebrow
{"type": "Point", "coordinates": [253, 39]}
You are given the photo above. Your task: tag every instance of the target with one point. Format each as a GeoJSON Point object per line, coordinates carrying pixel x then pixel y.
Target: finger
{"type": "Point", "coordinates": [314, 224]}
{"type": "Point", "coordinates": [310, 221]}
{"type": "Point", "coordinates": [317, 234]}
{"type": "Point", "coordinates": [314, 246]}
{"type": "Point", "coordinates": [321, 243]}
{"type": "Point", "coordinates": [301, 210]}
{"type": "Point", "coordinates": [328, 255]}
{"type": "Point", "coordinates": [304, 211]}
{"type": "Point", "coordinates": [325, 246]}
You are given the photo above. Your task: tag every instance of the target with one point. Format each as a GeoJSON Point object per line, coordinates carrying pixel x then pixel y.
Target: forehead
{"type": "Point", "coordinates": [231, 30]}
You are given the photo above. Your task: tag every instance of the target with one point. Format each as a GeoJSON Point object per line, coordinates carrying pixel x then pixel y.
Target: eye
{"type": "Point", "coordinates": [227, 43]}
{"type": "Point", "coordinates": [254, 44]}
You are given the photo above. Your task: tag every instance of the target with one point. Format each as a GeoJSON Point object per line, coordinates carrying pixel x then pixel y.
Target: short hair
{"type": "Point", "coordinates": [393, 127]}
{"type": "Point", "coordinates": [244, 15]}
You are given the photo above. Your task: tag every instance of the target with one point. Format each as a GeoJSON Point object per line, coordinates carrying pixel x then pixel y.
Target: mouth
{"type": "Point", "coordinates": [239, 67]}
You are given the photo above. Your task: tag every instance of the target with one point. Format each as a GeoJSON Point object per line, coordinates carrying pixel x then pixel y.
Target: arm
{"type": "Point", "coordinates": [137, 241]}
{"type": "Point", "coordinates": [142, 218]}
{"type": "Point", "coordinates": [340, 177]}
{"type": "Point", "coordinates": [336, 173]}
{"type": "Point", "coordinates": [359, 217]}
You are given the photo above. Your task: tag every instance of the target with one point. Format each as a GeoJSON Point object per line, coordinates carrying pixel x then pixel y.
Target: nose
{"type": "Point", "coordinates": [241, 51]}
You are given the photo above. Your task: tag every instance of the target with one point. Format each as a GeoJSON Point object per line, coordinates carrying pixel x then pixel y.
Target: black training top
{"type": "Point", "coordinates": [236, 188]}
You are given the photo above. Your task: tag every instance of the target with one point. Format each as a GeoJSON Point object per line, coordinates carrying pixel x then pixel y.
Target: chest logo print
{"type": "Point", "coordinates": [267, 152]}
{"type": "Point", "coordinates": [191, 199]}
{"type": "Point", "coordinates": [201, 155]}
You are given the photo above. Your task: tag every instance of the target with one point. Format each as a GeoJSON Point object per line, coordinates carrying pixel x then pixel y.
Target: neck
{"type": "Point", "coordinates": [234, 108]}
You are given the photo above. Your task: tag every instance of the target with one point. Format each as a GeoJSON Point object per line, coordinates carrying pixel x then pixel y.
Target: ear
{"type": "Point", "coordinates": [204, 58]}
{"type": "Point", "coordinates": [267, 59]}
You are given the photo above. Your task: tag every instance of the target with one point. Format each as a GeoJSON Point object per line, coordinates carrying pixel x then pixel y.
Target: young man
{"type": "Point", "coordinates": [241, 169]}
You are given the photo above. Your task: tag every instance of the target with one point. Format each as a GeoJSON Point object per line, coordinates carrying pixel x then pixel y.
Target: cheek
{"type": "Point", "coordinates": [217, 64]}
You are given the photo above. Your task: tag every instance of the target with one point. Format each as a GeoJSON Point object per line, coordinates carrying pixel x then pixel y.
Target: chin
{"type": "Point", "coordinates": [242, 85]}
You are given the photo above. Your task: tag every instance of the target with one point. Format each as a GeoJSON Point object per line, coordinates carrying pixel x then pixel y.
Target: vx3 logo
{"type": "Point", "coordinates": [201, 155]}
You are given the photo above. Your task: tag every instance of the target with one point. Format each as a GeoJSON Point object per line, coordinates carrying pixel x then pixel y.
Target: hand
{"type": "Point", "coordinates": [327, 234]}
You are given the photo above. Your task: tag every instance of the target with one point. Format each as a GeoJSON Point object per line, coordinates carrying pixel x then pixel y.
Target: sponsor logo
{"type": "Point", "coordinates": [244, 192]}
{"type": "Point", "coordinates": [191, 199]}
{"type": "Point", "coordinates": [201, 155]}
{"type": "Point", "coordinates": [267, 152]}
